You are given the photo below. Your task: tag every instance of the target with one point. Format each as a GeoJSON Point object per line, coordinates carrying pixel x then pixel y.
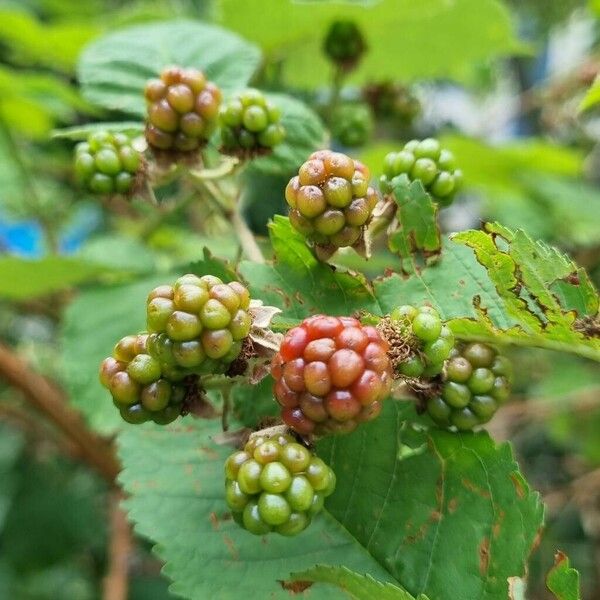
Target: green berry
{"type": "Point", "coordinates": [235, 498]}
{"type": "Point", "coordinates": [428, 148]}
{"type": "Point", "coordinates": [252, 520]}
{"type": "Point", "coordinates": [481, 381]}
{"type": "Point", "coordinates": [412, 367]}
{"type": "Point", "coordinates": [296, 523]}
{"type": "Point", "coordinates": [275, 478]}
{"type": "Point", "coordinates": [426, 326]}
{"type": "Point", "coordinates": [273, 508]}
{"type": "Point", "coordinates": [484, 407]}
{"type": "Point", "coordinates": [144, 369]}
{"type": "Point", "coordinates": [249, 477]}
{"type": "Point", "coordinates": [156, 396]}
{"type": "Point", "coordinates": [255, 118]}
{"type": "Point", "coordinates": [456, 395]}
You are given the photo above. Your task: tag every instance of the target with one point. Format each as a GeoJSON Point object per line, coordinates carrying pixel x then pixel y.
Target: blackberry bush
{"type": "Point", "coordinates": [352, 124]}
{"type": "Point", "coordinates": [139, 387]}
{"type": "Point", "coordinates": [183, 110]}
{"type": "Point", "coordinates": [106, 163]}
{"type": "Point", "coordinates": [476, 381]}
{"type": "Point", "coordinates": [197, 325]}
{"type": "Point", "coordinates": [330, 200]}
{"type": "Point", "coordinates": [250, 124]}
{"type": "Point", "coordinates": [427, 342]}
{"type": "Point", "coordinates": [428, 162]}
{"type": "Point", "coordinates": [276, 484]}
{"type": "Point", "coordinates": [331, 373]}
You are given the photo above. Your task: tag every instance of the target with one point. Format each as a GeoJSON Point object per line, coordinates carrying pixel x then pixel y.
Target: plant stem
{"type": "Point", "coordinates": [51, 401]}
{"type": "Point", "coordinates": [116, 581]}
{"type": "Point", "coordinates": [226, 395]}
{"type": "Point", "coordinates": [337, 82]}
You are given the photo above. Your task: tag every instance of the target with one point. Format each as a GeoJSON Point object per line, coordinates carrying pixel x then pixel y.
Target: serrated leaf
{"type": "Point", "coordinates": [357, 586]}
{"type": "Point", "coordinates": [114, 69]}
{"type": "Point", "coordinates": [392, 29]}
{"type": "Point", "coordinates": [540, 288]}
{"type": "Point", "coordinates": [562, 580]}
{"type": "Point", "coordinates": [417, 230]}
{"type": "Point", "coordinates": [174, 478]}
{"type": "Point", "coordinates": [304, 134]}
{"type": "Point", "coordinates": [212, 265]}
{"type": "Point", "coordinates": [93, 323]}
{"type": "Point", "coordinates": [299, 284]}
{"type": "Point", "coordinates": [452, 513]}
{"type": "Point", "coordinates": [81, 132]}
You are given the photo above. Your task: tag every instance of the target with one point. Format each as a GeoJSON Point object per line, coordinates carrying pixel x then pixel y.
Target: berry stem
{"type": "Point", "coordinates": [116, 584]}
{"type": "Point", "coordinates": [337, 82]}
{"type": "Point", "coordinates": [228, 166]}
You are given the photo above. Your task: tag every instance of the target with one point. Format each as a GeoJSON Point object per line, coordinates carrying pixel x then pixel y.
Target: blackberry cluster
{"type": "Point", "coordinates": [250, 124]}
{"type": "Point", "coordinates": [139, 387]}
{"type": "Point", "coordinates": [430, 341]}
{"type": "Point", "coordinates": [476, 382]}
{"type": "Point", "coordinates": [352, 124]}
{"type": "Point", "coordinates": [428, 162]}
{"type": "Point", "coordinates": [183, 109]}
{"type": "Point", "coordinates": [276, 484]}
{"type": "Point", "coordinates": [106, 163]}
{"type": "Point", "coordinates": [344, 44]}
{"type": "Point", "coordinates": [330, 199]}
{"type": "Point", "coordinates": [197, 325]}
{"type": "Point", "coordinates": [331, 373]}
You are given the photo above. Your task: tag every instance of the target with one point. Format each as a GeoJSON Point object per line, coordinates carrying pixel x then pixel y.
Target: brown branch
{"type": "Point", "coordinates": [52, 403]}
{"type": "Point", "coordinates": [116, 581]}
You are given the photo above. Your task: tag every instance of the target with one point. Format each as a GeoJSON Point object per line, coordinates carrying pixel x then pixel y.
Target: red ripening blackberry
{"type": "Point", "coordinates": [331, 373]}
{"type": "Point", "coordinates": [183, 110]}
{"type": "Point", "coordinates": [139, 388]}
{"type": "Point", "coordinates": [476, 381]}
{"type": "Point", "coordinates": [276, 484]}
{"type": "Point", "coordinates": [330, 200]}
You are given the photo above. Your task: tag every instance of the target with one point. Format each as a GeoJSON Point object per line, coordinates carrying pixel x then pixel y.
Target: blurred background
{"type": "Point", "coordinates": [507, 101]}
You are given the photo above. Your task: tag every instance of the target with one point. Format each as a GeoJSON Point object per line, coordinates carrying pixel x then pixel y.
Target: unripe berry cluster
{"type": "Point", "coordinates": [197, 325]}
{"type": "Point", "coordinates": [476, 382]}
{"type": "Point", "coordinates": [330, 199]}
{"type": "Point", "coordinates": [331, 373]}
{"type": "Point", "coordinates": [352, 124]}
{"type": "Point", "coordinates": [276, 484]}
{"type": "Point", "coordinates": [428, 162]}
{"type": "Point", "coordinates": [250, 124]}
{"type": "Point", "coordinates": [139, 388]}
{"type": "Point", "coordinates": [430, 340]}
{"type": "Point", "coordinates": [106, 163]}
{"type": "Point", "coordinates": [344, 43]}
{"type": "Point", "coordinates": [183, 109]}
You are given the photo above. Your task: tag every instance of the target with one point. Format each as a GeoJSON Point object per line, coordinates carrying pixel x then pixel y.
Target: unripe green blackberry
{"type": "Point", "coordinates": [276, 484]}
{"type": "Point", "coordinates": [106, 163]}
{"type": "Point", "coordinates": [330, 200]}
{"type": "Point", "coordinates": [428, 162]}
{"type": "Point", "coordinates": [198, 324]}
{"type": "Point", "coordinates": [423, 332]}
{"type": "Point", "coordinates": [139, 387]}
{"type": "Point", "coordinates": [344, 44]}
{"type": "Point", "coordinates": [331, 373]}
{"type": "Point", "coordinates": [476, 381]}
{"type": "Point", "coordinates": [352, 124]}
{"type": "Point", "coordinates": [183, 109]}
{"type": "Point", "coordinates": [250, 124]}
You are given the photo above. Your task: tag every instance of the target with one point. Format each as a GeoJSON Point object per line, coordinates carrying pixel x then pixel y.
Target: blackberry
{"type": "Point", "coordinates": [183, 109]}
{"type": "Point", "coordinates": [344, 44]}
{"type": "Point", "coordinates": [428, 162]}
{"type": "Point", "coordinates": [352, 124]}
{"type": "Point", "coordinates": [331, 373]}
{"type": "Point", "coordinates": [250, 124]}
{"type": "Point", "coordinates": [106, 163]}
{"type": "Point", "coordinates": [428, 340]}
{"type": "Point", "coordinates": [197, 325]}
{"type": "Point", "coordinates": [475, 382]}
{"type": "Point", "coordinates": [330, 200]}
{"type": "Point", "coordinates": [276, 484]}
{"type": "Point", "coordinates": [139, 387]}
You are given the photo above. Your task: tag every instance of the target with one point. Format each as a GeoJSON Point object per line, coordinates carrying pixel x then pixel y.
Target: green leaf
{"type": "Point", "coordinates": [539, 287]}
{"type": "Point", "coordinates": [25, 278]}
{"type": "Point", "coordinates": [114, 69]}
{"type": "Point", "coordinates": [174, 478]}
{"type": "Point", "coordinates": [299, 284]}
{"type": "Point", "coordinates": [417, 230]}
{"type": "Point", "coordinates": [93, 323]}
{"type": "Point", "coordinates": [304, 134]}
{"type": "Point", "coordinates": [81, 132]}
{"type": "Point", "coordinates": [394, 31]}
{"type": "Point", "coordinates": [441, 511]}
{"type": "Point", "coordinates": [562, 580]}
{"type": "Point", "coordinates": [592, 96]}
{"type": "Point", "coordinates": [355, 585]}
